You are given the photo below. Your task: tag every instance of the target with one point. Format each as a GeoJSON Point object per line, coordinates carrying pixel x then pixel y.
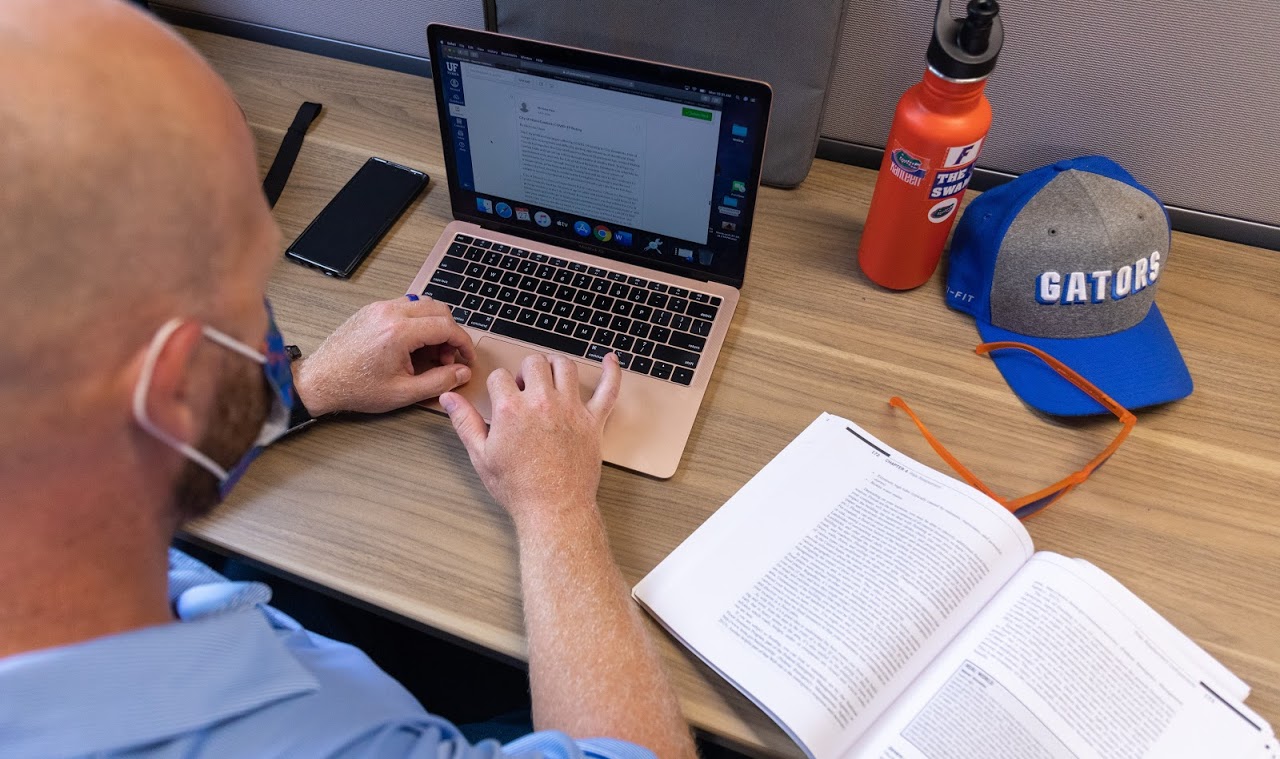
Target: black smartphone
{"type": "Point", "coordinates": [337, 240]}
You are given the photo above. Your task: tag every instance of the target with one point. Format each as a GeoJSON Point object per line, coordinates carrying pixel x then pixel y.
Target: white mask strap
{"type": "Point", "coordinates": [143, 390]}
{"type": "Point", "coordinates": [230, 343]}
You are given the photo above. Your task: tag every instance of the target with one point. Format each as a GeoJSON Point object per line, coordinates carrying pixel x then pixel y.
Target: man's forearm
{"type": "Point", "coordinates": [593, 669]}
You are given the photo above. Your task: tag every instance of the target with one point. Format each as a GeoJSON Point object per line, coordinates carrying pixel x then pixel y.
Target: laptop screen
{"type": "Point", "coordinates": [631, 160]}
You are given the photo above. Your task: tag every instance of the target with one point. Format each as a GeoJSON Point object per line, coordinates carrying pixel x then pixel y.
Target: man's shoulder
{"type": "Point", "coordinates": [232, 677]}
{"type": "Point", "coordinates": [334, 693]}
{"type": "Point", "coordinates": [349, 701]}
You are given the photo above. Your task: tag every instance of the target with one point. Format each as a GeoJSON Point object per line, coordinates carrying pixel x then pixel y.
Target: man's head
{"type": "Point", "coordinates": [129, 195]}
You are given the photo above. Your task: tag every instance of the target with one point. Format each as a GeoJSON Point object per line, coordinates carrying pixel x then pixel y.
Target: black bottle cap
{"type": "Point", "coordinates": [967, 48]}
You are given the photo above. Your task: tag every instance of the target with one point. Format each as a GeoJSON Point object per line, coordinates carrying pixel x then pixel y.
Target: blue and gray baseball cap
{"type": "Point", "coordinates": [1068, 258]}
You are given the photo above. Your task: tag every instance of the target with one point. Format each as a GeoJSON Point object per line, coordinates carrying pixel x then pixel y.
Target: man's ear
{"type": "Point", "coordinates": [169, 403]}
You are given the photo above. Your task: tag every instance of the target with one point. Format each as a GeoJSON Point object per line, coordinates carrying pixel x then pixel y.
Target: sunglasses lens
{"type": "Point", "coordinates": [1026, 510]}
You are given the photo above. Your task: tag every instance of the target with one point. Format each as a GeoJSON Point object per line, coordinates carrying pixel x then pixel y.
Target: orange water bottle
{"type": "Point", "coordinates": [938, 131]}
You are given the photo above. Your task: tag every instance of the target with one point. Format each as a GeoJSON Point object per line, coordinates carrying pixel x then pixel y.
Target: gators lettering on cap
{"type": "Point", "coordinates": [1053, 288]}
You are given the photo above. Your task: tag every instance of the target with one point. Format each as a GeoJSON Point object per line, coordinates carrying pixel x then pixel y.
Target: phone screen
{"type": "Point", "coordinates": [346, 230]}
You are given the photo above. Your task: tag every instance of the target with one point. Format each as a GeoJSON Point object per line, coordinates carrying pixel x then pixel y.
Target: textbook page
{"type": "Point", "coordinates": [831, 579]}
{"type": "Point", "coordinates": [1222, 680]}
{"type": "Point", "coordinates": [1067, 663]}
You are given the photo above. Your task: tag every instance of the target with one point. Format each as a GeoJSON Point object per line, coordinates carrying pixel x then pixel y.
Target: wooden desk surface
{"type": "Point", "coordinates": [388, 509]}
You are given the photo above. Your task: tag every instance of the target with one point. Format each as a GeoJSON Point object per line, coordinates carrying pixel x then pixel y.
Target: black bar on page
{"type": "Point", "coordinates": [882, 451]}
{"type": "Point", "coordinates": [1227, 704]}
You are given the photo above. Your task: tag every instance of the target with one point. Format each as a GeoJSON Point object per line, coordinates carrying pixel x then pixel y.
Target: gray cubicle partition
{"type": "Point", "coordinates": [1185, 94]}
{"type": "Point", "coordinates": [672, 32]}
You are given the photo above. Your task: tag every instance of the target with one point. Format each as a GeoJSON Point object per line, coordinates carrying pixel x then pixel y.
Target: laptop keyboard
{"type": "Point", "coordinates": [581, 310]}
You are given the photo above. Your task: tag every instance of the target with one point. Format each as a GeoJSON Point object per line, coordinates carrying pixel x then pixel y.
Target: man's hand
{"type": "Point", "coordinates": [388, 354]}
{"type": "Point", "coordinates": [541, 455]}
{"type": "Point", "coordinates": [592, 668]}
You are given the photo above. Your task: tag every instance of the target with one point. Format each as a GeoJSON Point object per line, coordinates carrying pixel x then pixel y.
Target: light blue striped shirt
{"type": "Point", "coordinates": [232, 678]}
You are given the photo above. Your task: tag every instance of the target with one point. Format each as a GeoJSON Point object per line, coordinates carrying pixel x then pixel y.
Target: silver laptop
{"type": "Point", "coordinates": [601, 204]}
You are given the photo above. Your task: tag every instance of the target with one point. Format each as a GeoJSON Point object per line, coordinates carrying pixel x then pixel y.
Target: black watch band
{"type": "Point", "coordinates": [282, 166]}
{"type": "Point", "coordinates": [299, 416]}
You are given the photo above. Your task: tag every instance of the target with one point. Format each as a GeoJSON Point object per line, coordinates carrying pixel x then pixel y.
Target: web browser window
{"type": "Point", "coordinates": [629, 160]}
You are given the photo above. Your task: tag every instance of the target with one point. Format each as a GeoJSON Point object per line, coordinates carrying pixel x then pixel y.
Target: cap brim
{"type": "Point", "coordinates": [1140, 366]}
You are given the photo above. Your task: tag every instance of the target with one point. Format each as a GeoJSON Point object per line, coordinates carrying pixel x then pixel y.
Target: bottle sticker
{"type": "Point", "coordinates": [962, 155]}
{"type": "Point", "coordinates": [907, 167]}
{"type": "Point", "coordinates": [942, 210]}
{"type": "Point", "coordinates": [948, 183]}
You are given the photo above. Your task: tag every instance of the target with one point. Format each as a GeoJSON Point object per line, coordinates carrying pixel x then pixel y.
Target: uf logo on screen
{"type": "Point", "coordinates": [452, 66]}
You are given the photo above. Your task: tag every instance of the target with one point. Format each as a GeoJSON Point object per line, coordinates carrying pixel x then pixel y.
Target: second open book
{"type": "Point", "coordinates": [874, 607]}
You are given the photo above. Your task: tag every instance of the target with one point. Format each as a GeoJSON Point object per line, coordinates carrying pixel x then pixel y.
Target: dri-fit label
{"type": "Point", "coordinates": [907, 167]}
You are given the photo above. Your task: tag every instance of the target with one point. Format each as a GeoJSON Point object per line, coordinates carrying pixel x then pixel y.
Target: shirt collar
{"type": "Point", "coordinates": [146, 685]}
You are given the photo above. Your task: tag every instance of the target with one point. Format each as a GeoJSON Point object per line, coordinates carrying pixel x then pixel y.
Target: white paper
{"type": "Point", "coordinates": [825, 585]}
{"type": "Point", "coordinates": [1065, 662]}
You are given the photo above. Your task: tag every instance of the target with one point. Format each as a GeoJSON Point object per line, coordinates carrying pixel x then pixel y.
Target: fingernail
{"type": "Point", "coordinates": [449, 402]}
{"type": "Point", "coordinates": [463, 372]}
{"type": "Point", "coordinates": [411, 296]}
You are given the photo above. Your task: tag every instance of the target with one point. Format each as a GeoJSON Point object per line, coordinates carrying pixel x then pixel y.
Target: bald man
{"type": "Point", "coordinates": [140, 369]}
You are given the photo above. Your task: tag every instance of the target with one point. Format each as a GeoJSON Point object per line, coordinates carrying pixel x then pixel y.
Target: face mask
{"type": "Point", "coordinates": [279, 377]}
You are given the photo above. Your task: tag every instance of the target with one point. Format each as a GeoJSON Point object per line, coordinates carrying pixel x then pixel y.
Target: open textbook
{"type": "Point", "coordinates": [874, 607]}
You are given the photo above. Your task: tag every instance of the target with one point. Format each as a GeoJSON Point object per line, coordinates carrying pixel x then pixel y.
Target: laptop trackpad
{"type": "Point", "coordinates": [494, 354]}
{"type": "Point", "coordinates": [647, 429]}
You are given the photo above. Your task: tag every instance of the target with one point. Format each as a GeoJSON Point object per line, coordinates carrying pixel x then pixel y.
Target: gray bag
{"type": "Point", "coordinates": [790, 45]}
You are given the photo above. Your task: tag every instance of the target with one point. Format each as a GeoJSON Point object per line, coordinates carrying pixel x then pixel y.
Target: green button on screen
{"type": "Point", "coordinates": [694, 113]}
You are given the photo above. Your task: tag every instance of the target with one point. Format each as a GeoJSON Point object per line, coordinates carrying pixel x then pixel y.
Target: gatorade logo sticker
{"type": "Point", "coordinates": [948, 183]}
{"type": "Point", "coordinates": [907, 167]}
{"type": "Point", "coordinates": [942, 210]}
{"type": "Point", "coordinates": [962, 155]}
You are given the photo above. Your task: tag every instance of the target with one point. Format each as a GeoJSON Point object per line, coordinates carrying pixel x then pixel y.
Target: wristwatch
{"type": "Point", "coordinates": [299, 416]}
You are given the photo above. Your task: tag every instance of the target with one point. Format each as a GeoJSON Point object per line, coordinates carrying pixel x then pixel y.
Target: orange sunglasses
{"type": "Point", "coordinates": [1036, 502]}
